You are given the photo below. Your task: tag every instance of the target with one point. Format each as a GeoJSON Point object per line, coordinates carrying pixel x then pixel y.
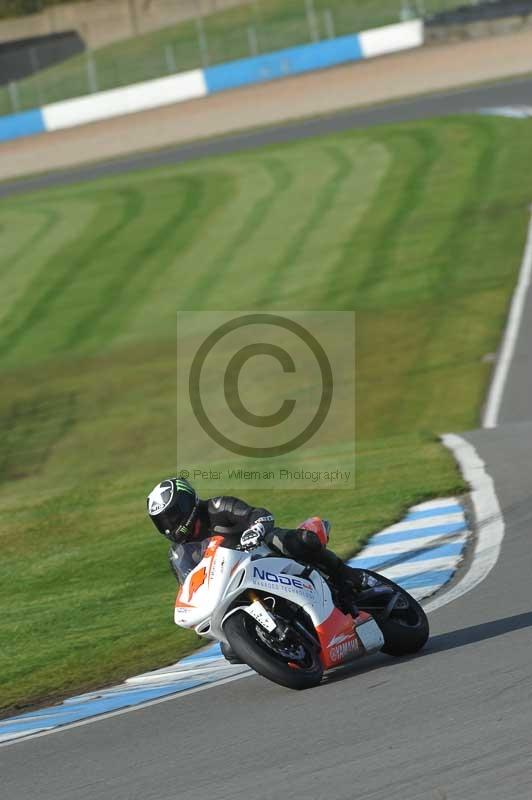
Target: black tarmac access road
{"type": "Point", "coordinates": [454, 723]}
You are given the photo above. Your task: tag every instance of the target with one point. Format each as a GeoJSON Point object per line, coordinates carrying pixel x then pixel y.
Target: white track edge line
{"type": "Point", "coordinates": [489, 520]}
{"type": "Point", "coordinates": [506, 353]}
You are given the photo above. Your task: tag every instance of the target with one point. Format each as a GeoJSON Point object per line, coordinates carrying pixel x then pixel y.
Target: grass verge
{"type": "Point", "coordinates": [417, 227]}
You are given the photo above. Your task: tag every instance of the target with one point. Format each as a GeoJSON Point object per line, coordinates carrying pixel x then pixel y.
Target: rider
{"type": "Point", "coordinates": [177, 512]}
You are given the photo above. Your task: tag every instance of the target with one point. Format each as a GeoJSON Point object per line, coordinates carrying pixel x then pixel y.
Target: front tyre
{"type": "Point", "coordinates": [405, 627]}
{"type": "Point", "coordinates": [292, 662]}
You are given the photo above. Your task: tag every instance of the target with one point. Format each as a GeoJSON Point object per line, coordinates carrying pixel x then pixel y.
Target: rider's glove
{"type": "Point", "coordinates": [252, 537]}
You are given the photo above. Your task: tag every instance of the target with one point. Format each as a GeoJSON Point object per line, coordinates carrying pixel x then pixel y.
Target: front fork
{"type": "Point", "coordinates": [282, 627]}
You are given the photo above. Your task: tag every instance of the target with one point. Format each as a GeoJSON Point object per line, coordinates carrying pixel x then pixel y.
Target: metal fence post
{"type": "Point", "coordinates": [133, 18]}
{"type": "Point", "coordinates": [92, 75]}
{"type": "Point", "coordinates": [35, 67]}
{"type": "Point", "coordinates": [253, 41]}
{"type": "Point", "coordinates": [12, 89]}
{"type": "Point", "coordinates": [407, 12]}
{"type": "Point", "coordinates": [34, 59]}
{"type": "Point", "coordinates": [202, 42]}
{"type": "Point", "coordinates": [328, 23]}
{"type": "Point", "coordinates": [169, 56]}
{"type": "Point", "coordinates": [312, 21]}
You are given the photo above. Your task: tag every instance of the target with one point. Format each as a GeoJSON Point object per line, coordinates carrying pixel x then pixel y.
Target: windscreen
{"type": "Point", "coordinates": [185, 557]}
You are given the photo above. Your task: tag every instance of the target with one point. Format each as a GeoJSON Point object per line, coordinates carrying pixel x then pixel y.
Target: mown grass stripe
{"type": "Point", "coordinates": [246, 270]}
{"type": "Point", "coordinates": [169, 246]}
{"type": "Point", "coordinates": [215, 273]}
{"type": "Point", "coordinates": [410, 194]}
{"type": "Point", "coordinates": [451, 253]}
{"type": "Point", "coordinates": [114, 295]}
{"type": "Point", "coordinates": [65, 273]}
{"type": "Point", "coordinates": [51, 218]}
{"type": "Point", "coordinates": [315, 215]}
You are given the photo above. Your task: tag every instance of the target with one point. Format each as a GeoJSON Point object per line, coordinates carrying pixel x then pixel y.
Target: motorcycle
{"type": "Point", "coordinates": [284, 618]}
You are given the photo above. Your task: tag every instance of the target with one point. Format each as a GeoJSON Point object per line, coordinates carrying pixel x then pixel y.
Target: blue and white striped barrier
{"type": "Point", "coordinates": [421, 553]}
{"type": "Point", "coordinates": [200, 83]}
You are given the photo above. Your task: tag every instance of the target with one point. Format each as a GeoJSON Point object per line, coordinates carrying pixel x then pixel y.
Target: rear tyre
{"type": "Point", "coordinates": [406, 629]}
{"type": "Point", "coordinates": [295, 664]}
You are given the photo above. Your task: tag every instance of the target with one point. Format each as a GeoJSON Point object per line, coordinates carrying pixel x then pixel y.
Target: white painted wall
{"type": "Point", "coordinates": [126, 100]}
{"type": "Point", "coordinates": [391, 38]}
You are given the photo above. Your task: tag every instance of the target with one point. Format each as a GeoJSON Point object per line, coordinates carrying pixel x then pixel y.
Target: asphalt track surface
{"type": "Point", "coordinates": [453, 723]}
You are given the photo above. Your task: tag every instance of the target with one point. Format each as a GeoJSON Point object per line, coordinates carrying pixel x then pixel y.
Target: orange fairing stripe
{"type": "Point", "coordinates": [212, 547]}
{"type": "Point", "coordinates": [337, 629]}
{"type": "Point", "coordinates": [210, 552]}
{"type": "Point", "coordinates": [197, 579]}
{"type": "Point", "coordinates": [180, 604]}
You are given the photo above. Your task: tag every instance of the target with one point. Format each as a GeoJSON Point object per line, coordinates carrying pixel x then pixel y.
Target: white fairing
{"type": "Point", "coordinates": [221, 577]}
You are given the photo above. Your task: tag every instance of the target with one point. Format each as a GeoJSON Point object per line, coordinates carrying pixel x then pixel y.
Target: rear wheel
{"type": "Point", "coordinates": [291, 661]}
{"type": "Point", "coordinates": [402, 620]}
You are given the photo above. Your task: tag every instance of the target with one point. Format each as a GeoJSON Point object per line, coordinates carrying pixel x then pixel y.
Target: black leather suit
{"type": "Point", "coordinates": [230, 517]}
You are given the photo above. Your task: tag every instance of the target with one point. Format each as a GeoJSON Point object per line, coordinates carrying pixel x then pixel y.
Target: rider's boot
{"type": "Point", "coordinates": [347, 587]}
{"type": "Point", "coordinates": [229, 654]}
{"type": "Point", "coordinates": [359, 579]}
{"type": "Point", "coordinates": [352, 584]}
{"type": "Point", "coordinates": [349, 581]}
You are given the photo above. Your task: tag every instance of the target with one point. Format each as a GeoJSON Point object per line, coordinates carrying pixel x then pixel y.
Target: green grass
{"type": "Point", "coordinates": [418, 227]}
{"type": "Point", "coordinates": [277, 24]}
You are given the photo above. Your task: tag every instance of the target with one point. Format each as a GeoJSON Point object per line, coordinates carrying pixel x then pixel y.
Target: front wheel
{"type": "Point", "coordinates": [403, 622]}
{"type": "Point", "coordinates": [292, 662]}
